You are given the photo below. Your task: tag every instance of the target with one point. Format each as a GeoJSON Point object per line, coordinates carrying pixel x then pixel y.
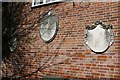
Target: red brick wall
{"type": "Point", "coordinates": [69, 41]}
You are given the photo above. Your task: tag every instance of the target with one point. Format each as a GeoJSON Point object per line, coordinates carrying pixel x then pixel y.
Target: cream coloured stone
{"type": "Point", "coordinates": [99, 39]}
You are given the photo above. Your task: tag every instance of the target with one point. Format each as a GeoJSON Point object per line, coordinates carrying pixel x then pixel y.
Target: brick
{"type": "Point", "coordinates": [81, 56]}
{"type": "Point", "coordinates": [72, 20]}
{"type": "Point", "coordinates": [111, 66]}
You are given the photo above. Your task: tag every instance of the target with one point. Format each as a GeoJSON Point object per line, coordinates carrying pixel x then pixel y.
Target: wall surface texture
{"type": "Point", "coordinates": [71, 57]}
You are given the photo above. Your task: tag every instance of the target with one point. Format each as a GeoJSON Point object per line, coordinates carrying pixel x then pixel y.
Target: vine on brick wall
{"type": "Point", "coordinates": [19, 63]}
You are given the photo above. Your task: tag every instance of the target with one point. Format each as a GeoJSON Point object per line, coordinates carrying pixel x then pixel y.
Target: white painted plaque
{"type": "Point", "coordinates": [99, 37]}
